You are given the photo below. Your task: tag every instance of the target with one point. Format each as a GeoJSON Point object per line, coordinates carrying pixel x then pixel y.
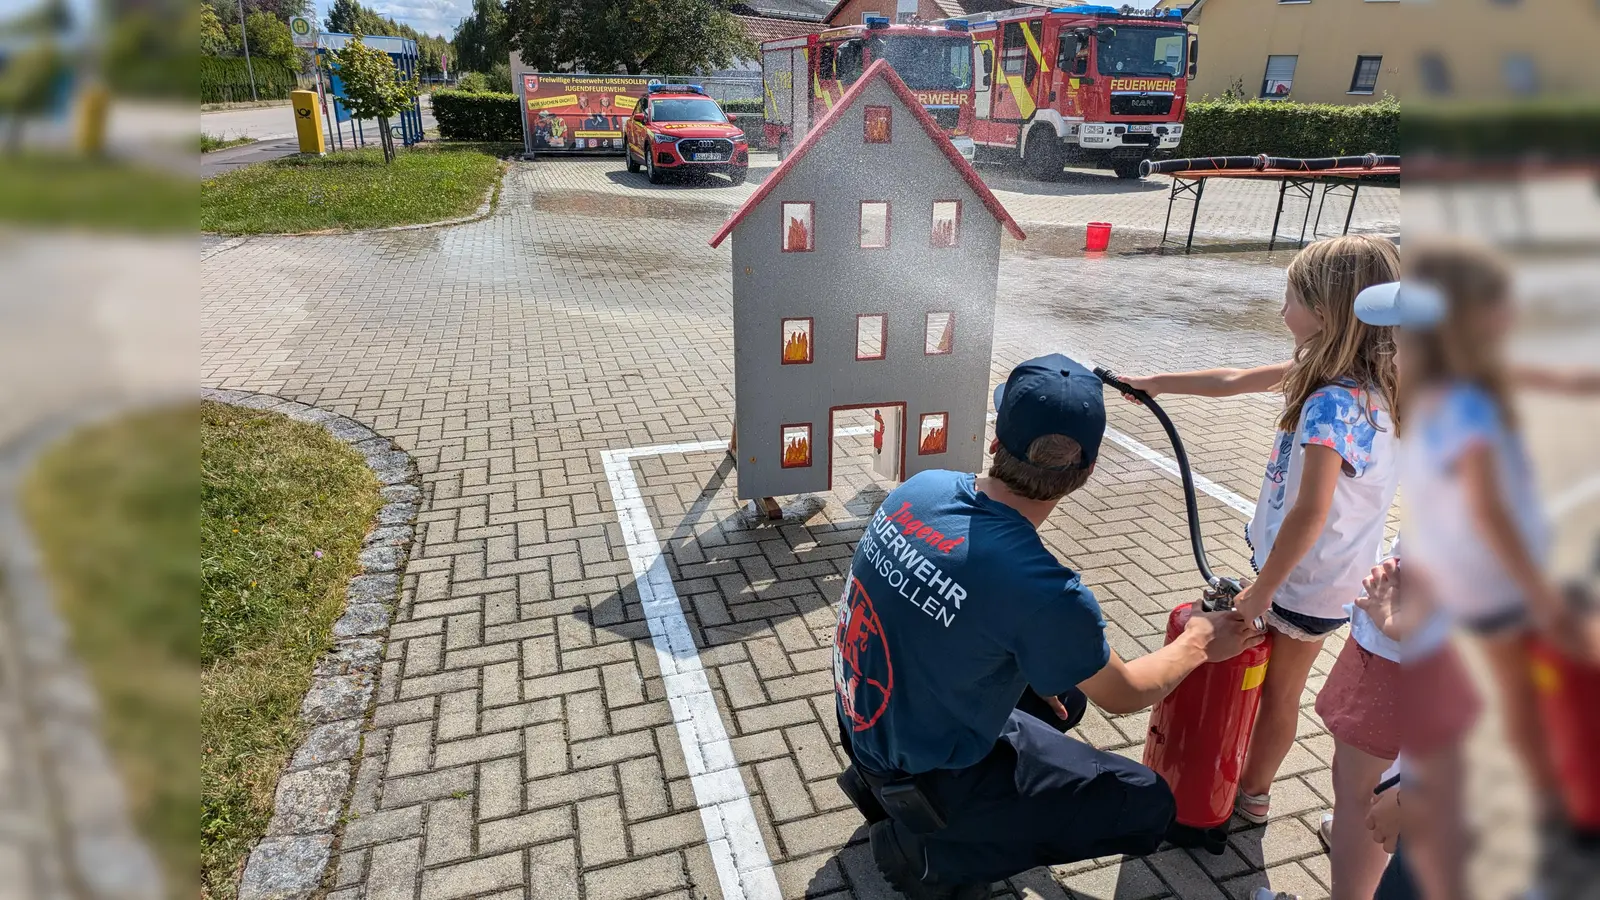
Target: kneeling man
{"type": "Point", "coordinates": [952, 611]}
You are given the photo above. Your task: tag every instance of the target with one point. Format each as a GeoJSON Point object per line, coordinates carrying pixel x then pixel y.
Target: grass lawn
{"type": "Point", "coordinates": [113, 509]}
{"type": "Point", "coordinates": [69, 191]}
{"type": "Point", "coordinates": [283, 509]}
{"type": "Point", "coordinates": [350, 189]}
{"type": "Point", "coordinates": [210, 142]}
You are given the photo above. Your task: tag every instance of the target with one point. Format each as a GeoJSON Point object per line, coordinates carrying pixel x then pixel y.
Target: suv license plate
{"type": "Point", "coordinates": [707, 157]}
{"type": "Point", "coordinates": [1139, 129]}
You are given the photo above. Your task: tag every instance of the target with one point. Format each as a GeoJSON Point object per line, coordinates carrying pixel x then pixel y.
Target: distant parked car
{"type": "Point", "coordinates": [677, 128]}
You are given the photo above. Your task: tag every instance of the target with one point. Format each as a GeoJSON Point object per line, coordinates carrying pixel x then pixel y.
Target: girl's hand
{"type": "Point", "coordinates": [1381, 600]}
{"type": "Point", "coordinates": [1383, 820]}
{"type": "Point", "coordinates": [1253, 601]}
{"type": "Point", "coordinates": [1146, 383]}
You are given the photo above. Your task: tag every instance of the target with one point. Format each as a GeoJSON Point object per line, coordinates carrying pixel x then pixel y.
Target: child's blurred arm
{"type": "Point", "coordinates": [1481, 480]}
{"type": "Point", "coordinates": [1302, 524]}
{"type": "Point", "coordinates": [1557, 380]}
{"type": "Point", "coordinates": [1212, 382]}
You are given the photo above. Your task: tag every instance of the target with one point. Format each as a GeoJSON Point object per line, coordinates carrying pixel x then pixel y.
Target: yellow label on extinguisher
{"type": "Point", "coordinates": [1253, 676]}
{"type": "Point", "coordinates": [1545, 677]}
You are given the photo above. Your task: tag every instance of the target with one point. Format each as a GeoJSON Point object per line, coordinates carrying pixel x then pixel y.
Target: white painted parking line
{"type": "Point", "coordinates": [744, 868]}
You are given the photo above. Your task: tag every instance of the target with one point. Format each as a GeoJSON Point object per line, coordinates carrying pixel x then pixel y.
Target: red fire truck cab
{"type": "Point", "coordinates": [803, 77]}
{"type": "Point", "coordinates": [1081, 84]}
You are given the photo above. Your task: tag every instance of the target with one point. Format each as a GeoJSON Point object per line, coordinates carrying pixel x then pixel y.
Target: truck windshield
{"type": "Point", "coordinates": [1143, 51]}
{"type": "Point", "coordinates": [927, 65]}
{"type": "Point", "coordinates": [686, 111]}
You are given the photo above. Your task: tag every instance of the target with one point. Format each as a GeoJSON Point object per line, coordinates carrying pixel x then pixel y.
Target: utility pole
{"type": "Point", "coordinates": [244, 35]}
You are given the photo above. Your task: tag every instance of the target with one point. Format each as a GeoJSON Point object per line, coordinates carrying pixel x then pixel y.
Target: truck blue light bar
{"type": "Point", "coordinates": [1088, 10]}
{"type": "Point", "coordinates": [877, 21]}
{"type": "Point", "coordinates": [955, 24]}
{"type": "Point", "coordinates": [677, 88]}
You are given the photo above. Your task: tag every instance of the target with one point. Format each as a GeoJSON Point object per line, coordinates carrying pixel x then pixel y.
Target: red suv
{"type": "Point", "coordinates": [677, 128]}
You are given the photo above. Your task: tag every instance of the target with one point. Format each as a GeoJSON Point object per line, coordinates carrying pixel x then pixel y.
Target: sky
{"type": "Point", "coordinates": [426, 16]}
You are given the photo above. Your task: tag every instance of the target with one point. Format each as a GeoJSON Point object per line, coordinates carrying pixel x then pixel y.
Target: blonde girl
{"type": "Point", "coordinates": [1330, 480]}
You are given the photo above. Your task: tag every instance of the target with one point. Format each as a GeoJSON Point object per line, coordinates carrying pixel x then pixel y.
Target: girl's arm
{"type": "Point", "coordinates": [1481, 479]}
{"type": "Point", "coordinates": [1301, 527]}
{"type": "Point", "coordinates": [1212, 382]}
{"type": "Point", "coordinates": [1558, 380]}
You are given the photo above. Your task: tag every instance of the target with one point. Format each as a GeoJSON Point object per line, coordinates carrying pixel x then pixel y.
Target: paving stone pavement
{"type": "Point", "coordinates": [522, 744]}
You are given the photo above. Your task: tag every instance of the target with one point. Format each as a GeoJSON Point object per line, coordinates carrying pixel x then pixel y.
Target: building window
{"type": "Point", "coordinates": [940, 334]}
{"type": "Point", "coordinates": [797, 347]}
{"type": "Point", "coordinates": [1521, 73]}
{"type": "Point", "coordinates": [1365, 78]}
{"type": "Point", "coordinates": [796, 445]}
{"type": "Point", "coordinates": [798, 236]}
{"type": "Point", "coordinates": [1279, 79]}
{"type": "Point", "coordinates": [878, 124]}
{"type": "Point", "coordinates": [872, 335]}
{"type": "Point", "coordinates": [874, 224]}
{"type": "Point", "coordinates": [946, 222]}
{"type": "Point", "coordinates": [1435, 73]}
{"type": "Point", "coordinates": [933, 434]}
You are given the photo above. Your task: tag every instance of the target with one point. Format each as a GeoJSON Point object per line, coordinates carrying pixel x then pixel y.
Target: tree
{"type": "Point", "coordinates": [213, 40]}
{"type": "Point", "coordinates": [481, 39]}
{"type": "Point", "coordinates": [373, 87]}
{"type": "Point", "coordinates": [269, 39]}
{"type": "Point", "coordinates": [632, 36]}
{"type": "Point", "coordinates": [29, 84]}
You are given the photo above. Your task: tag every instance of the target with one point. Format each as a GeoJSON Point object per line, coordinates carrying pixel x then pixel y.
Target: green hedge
{"type": "Point", "coordinates": [1555, 130]}
{"type": "Point", "coordinates": [225, 79]}
{"type": "Point", "coordinates": [465, 116]}
{"type": "Point", "coordinates": [1281, 128]}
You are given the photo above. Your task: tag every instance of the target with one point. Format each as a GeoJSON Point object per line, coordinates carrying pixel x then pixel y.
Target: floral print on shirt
{"type": "Point", "coordinates": [1338, 417]}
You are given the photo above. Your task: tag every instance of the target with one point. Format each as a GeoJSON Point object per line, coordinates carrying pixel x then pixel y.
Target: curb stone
{"type": "Point", "coordinates": [313, 791]}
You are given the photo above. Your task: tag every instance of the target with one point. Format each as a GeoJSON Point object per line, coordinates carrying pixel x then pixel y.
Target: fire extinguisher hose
{"type": "Point", "coordinates": [1191, 505]}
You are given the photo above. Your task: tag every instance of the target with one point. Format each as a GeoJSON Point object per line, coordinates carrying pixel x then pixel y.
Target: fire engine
{"type": "Point", "coordinates": [1081, 84]}
{"type": "Point", "coordinates": [804, 76]}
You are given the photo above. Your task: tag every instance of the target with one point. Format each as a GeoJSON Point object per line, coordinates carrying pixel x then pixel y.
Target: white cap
{"type": "Point", "coordinates": [1406, 304]}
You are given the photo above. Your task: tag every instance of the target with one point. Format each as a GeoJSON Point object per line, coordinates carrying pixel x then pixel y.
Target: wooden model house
{"type": "Point", "coordinates": [864, 273]}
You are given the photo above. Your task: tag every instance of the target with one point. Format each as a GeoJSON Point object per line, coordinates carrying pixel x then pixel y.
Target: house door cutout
{"type": "Point", "coordinates": [890, 461]}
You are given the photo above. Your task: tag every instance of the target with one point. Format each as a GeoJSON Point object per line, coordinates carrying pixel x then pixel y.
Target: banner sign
{"type": "Point", "coordinates": [580, 113]}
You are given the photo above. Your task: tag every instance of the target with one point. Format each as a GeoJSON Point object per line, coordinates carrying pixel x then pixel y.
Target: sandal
{"type": "Point", "coordinates": [1252, 808]}
{"type": "Point", "coordinates": [1325, 830]}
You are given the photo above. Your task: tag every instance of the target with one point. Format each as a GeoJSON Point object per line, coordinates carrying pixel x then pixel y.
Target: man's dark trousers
{"type": "Point", "coordinates": [1040, 798]}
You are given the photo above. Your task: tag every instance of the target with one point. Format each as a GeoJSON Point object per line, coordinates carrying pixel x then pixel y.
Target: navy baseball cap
{"type": "Point", "coordinates": [1050, 395]}
{"type": "Point", "coordinates": [1406, 304]}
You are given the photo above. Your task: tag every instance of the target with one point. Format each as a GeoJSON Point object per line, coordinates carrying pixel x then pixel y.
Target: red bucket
{"type": "Point", "coordinates": [1098, 237]}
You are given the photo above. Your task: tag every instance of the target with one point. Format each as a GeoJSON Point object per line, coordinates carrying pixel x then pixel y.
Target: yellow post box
{"type": "Point", "coordinates": [308, 122]}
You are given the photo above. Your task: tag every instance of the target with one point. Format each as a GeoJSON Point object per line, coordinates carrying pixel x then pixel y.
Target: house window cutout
{"type": "Point", "coordinates": [798, 234]}
{"type": "Point", "coordinates": [796, 446]}
{"type": "Point", "coordinates": [940, 336]}
{"type": "Point", "coordinates": [933, 434]}
{"type": "Point", "coordinates": [878, 124]}
{"type": "Point", "coordinates": [872, 335]}
{"type": "Point", "coordinates": [797, 346]}
{"type": "Point", "coordinates": [874, 224]}
{"type": "Point", "coordinates": [946, 222]}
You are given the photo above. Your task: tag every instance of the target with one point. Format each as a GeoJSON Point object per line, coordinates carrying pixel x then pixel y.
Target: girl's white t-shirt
{"type": "Point", "coordinates": [1443, 540]}
{"type": "Point", "coordinates": [1356, 424]}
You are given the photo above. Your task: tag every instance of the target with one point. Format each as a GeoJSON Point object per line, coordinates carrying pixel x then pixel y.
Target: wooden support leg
{"type": "Point", "coordinates": [733, 442]}
{"type": "Point", "coordinates": [770, 508]}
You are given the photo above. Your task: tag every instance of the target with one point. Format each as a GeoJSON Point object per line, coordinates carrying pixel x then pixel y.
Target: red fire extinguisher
{"type": "Point", "coordinates": [1569, 704]}
{"type": "Point", "coordinates": [1200, 733]}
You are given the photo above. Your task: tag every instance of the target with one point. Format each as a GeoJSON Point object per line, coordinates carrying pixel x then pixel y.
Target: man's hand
{"type": "Point", "coordinates": [1055, 704]}
{"type": "Point", "coordinates": [1382, 599]}
{"type": "Point", "coordinates": [1222, 635]}
{"type": "Point", "coordinates": [1383, 820]}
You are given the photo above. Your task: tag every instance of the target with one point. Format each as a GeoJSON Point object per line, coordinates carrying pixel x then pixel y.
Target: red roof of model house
{"type": "Point", "coordinates": [878, 70]}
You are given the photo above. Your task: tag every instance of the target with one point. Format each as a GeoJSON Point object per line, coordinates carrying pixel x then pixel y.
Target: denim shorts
{"type": "Point", "coordinates": [1302, 627]}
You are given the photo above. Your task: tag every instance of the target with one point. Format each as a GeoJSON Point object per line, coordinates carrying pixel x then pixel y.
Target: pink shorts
{"type": "Point", "coordinates": [1360, 703]}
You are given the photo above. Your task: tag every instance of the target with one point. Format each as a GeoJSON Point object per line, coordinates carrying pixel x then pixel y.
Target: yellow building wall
{"type": "Point", "coordinates": [1237, 36]}
{"type": "Point", "coordinates": [1476, 39]}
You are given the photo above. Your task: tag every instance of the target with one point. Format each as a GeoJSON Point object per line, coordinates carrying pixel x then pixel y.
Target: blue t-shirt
{"type": "Point", "coordinates": [953, 607]}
